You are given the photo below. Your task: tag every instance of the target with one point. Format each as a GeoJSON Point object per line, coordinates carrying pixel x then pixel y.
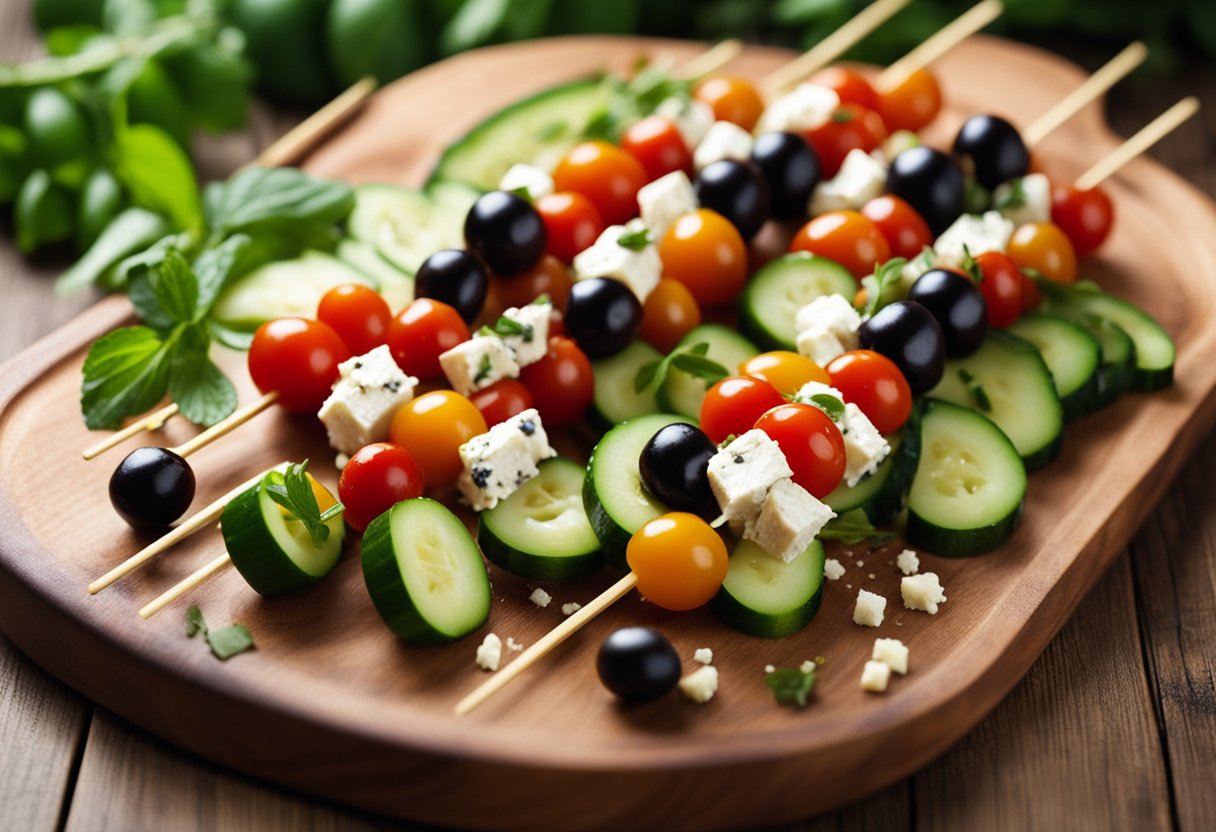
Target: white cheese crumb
{"type": "Point", "coordinates": [869, 608]}
{"type": "Point", "coordinates": [908, 562]}
{"type": "Point", "coordinates": [874, 677]}
{"type": "Point", "coordinates": [871, 576]}
{"type": "Point", "coordinates": [540, 597]}
{"type": "Point", "coordinates": [513, 645]}
{"type": "Point", "coordinates": [832, 570]}
{"type": "Point", "coordinates": [700, 685]}
{"type": "Point", "coordinates": [861, 564]}
{"type": "Point", "coordinates": [893, 653]}
{"type": "Point", "coordinates": [922, 592]}
{"type": "Point", "coordinates": [340, 461]}
{"type": "Point", "coordinates": [571, 608]}
{"type": "Point", "coordinates": [807, 666]}
{"type": "Point", "coordinates": [489, 652]}
{"type": "Point", "coordinates": [529, 178]}
{"type": "Point", "coordinates": [704, 655]}
{"type": "Point", "coordinates": [768, 668]}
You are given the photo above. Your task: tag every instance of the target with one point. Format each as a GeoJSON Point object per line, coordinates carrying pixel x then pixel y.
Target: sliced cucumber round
{"type": "Point", "coordinates": [1118, 359]}
{"type": "Point", "coordinates": [396, 287]}
{"type": "Point", "coordinates": [764, 596]}
{"type": "Point", "coordinates": [541, 531]}
{"type": "Point", "coordinates": [966, 497]}
{"type": "Point", "coordinates": [287, 289]}
{"type": "Point", "coordinates": [776, 292]}
{"type": "Point", "coordinates": [1072, 356]}
{"type": "Point", "coordinates": [881, 495]}
{"type": "Point", "coordinates": [424, 573]}
{"type": "Point", "coordinates": [616, 400]}
{"type": "Point", "coordinates": [683, 393]}
{"type": "Point", "coordinates": [407, 226]}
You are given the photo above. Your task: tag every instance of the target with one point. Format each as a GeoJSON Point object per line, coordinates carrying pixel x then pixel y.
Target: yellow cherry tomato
{"type": "Point", "coordinates": [732, 99]}
{"type": "Point", "coordinates": [680, 561]}
{"type": "Point", "coordinates": [785, 370]}
{"type": "Point", "coordinates": [432, 428]}
{"type": "Point", "coordinates": [1042, 246]}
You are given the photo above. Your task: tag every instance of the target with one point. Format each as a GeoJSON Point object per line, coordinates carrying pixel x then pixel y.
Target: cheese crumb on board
{"type": "Point", "coordinates": [571, 608]}
{"type": "Point", "coordinates": [869, 609]}
{"type": "Point", "coordinates": [489, 652]}
{"type": "Point", "coordinates": [832, 570]}
{"type": "Point", "coordinates": [875, 676]}
{"type": "Point", "coordinates": [893, 653]}
{"type": "Point", "coordinates": [700, 685]}
{"type": "Point", "coordinates": [908, 562]}
{"type": "Point", "coordinates": [807, 666]}
{"type": "Point", "coordinates": [513, 645]}
{"type": "Point", "coordinates": [770, 668]}
{"type": "Point", "coordinates": [540, 597]}
{"type": "Point", "coordinates": [922, 592]}
{"type": "Point", "coordinates": [704, 655]}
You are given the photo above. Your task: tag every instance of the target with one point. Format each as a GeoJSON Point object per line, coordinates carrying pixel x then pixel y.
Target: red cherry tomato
{"type": "Point", "coordinates": [1001, 285]}
{"type": "Point", "coordinates": [658, 145]}
{"type": "Point", "coordinates": [811, 442]}
{"type": "Point", "coordinates": [871, 381]}
{"type": "Point", "coordinates": [432, 428]}
{"type": "Point", "coordinates": [571, 222]}
{"type": "Point", "coordinates": [732, 99]}
{"type": "Point", "coordinates": [375, 479]}
{"type": "Point", "coordinates": [732, 406]}
{"type": "Point", "coordinates": [906, 231]}
{"type": "Point", "coordinates": [912, 103]}
{"type": "Point", "coordinates": [1085, 216]}
{"type": "Point", "coordinates": [562, 383]}
{"type": "Point", "coordinates": [548, 277]}
{"type": "Point", "coordinates": [851, 86]}
{"type": "Point", "coordinates": [358, 314]}
{"type": "Point", "coordinates": [847, 237]}
{"type": "Point", "coordinates": [606, 175]}
{"type": "Point", "coordinates": [850, 127]}
{"type": "Point", "coordinates": [421, 332]}
{"type": "Point", "coordinates": [1032, 295]}
{"type": "Point", "coordinates": [502, 400]}
{"type": "Point", "coordinates": [298, 358]}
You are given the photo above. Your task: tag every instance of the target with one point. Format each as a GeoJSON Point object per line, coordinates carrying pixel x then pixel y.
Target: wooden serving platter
{"type": "Point", "coordinates": [332, 704]}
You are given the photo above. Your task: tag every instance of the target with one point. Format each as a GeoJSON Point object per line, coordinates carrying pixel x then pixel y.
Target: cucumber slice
{"type": "Point", "coordinates": [288, 289]}
{"type": "Point", "coordinates": [881, 495]}
{"type": "Point", "coordinates": [1118, 359]}
{"type": "Point", "coordinates": [1072, 356]}
{"type": "Point", "coordinates": [766, 597]}
{"type": "Point", "coordinates": [407, 226]}
{"type": "Point", "coordinates": [682, 393]}
{"type": "Point", "coordinates": [615, 399]}
{"type": "Point", "coordinates": [541, 531]}
{"type": "Point", "coordinates": [273, 550]}
{"type": "Point", "coordinates": [776, 292]}
{"type": "Point", "coordinates": [424, 573]}
{"type": "Point", "coordinates": [1017, 389]}
{"type": "Point", "coordinates": [617, 503]}
{"type": "Point", "coordinates": [396, 287]}
{"type": "Point", "coordinates": [537, 130]}
{"type": "Point", "coordinates": [966, 497]}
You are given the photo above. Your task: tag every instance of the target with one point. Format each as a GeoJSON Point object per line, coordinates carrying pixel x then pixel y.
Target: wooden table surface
{"type": "Point", "coordinates": [1113, 728]}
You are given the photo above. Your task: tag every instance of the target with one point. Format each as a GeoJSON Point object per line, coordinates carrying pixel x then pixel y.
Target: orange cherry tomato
{"type": "Point", "coordinates": [679, 560]}
{"type": "Point", "coordinates": [847, 237]}
{"type": "Point", "coordinates": [812, 444]}
{"type": "Point", "coordinates": [912, 103]}
{"type": "Point", "coordinates": [906, 231]}
{"type": "Point", "coordinates": [732, 99]}
{"type": "Point", "coordinates": [548, 277]}
{"type": "Point", "coordinates": [502, 400]}
{"type": "Point", "coordinates": [669, 314]}
{"type": "Point", "coordinates": [606, 175]}
{"type": "Point", "coordinates": [850, 85]}
{"type": "Point", "coordinates": [658, 145]}
{"type": "Point", "coordinates": [850, 127]}
{"type": "Point", "coordinates": [432, 428]}
{"type": "Point", "coordinates": [299, 359]}
{"type": "Point", "coordinates": [422, 331]}
{"type": "Point", "coordinates": [358, 314]}
{"type": "Point", "coordinates": [1042, 246]}
{"type": "Point", "coordinates": [786, 371]}
{"type": "Point", "coordinates": [1085, 216]}
{"type": "Point", "coordinates": [871, 381]}
{"type": "Point", "coordinates": [571, 222]}
{"type": "Point", "coordinates": [705, 252]}
{"type": "Point", "coordinates": [732, 406]}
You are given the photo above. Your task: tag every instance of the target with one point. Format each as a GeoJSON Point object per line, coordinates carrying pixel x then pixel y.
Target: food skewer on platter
{"type": "Point", "coordinates": [1142, 140]}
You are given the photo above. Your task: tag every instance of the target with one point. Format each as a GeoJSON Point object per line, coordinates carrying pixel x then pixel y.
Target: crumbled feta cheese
{"type": "Point", "coordinates": [725, 140]}
{"type": "Point", "coordinates": [513, 645]}
{"type": "Point", "coordinates": [540, 597]}
{"type": "Point", "coordinates": [869, 609]}
{"type": "Point", "coordinates": [742, 473]}
{"type": "Point", "coordinates": [807, 666]}
{"type": "Point", "coordinates": [897, 143]}
{"type": "Point", "coordinates": [805, 107]}
{"type": "Point", "coordinates": [527, 178]}
{"type": "Point", "coordinates": [832, 569]}
{"type": "Point", "coordinates": [700, 685]}
{"type": "Point", "coordinates": [368, 392]}
{"type": "Point", "coordinates": [477, 363]}
{"type": "Point", "coordinates": [914, 268]}
{"type": "Point", "coordinates": [827, 327]}
{"type": "Point", "coordinates": [704, 655]}
{"type": "Point", "coordinates": [789, 519]}
{"type": "Point", "coordinates": [665, 200]}
{"type": "Point", "coordinates": [340, 461]}
{"type": "Point", "coordinates": [922, 592]}
{"type": "Point", "coordinates": [820, 345]}
{"type": "Point", "coordinates": [989, 232]}
{"type": "Point", "coordinates": [499, 461]}
{"type": "Point", "coordinates": [893, 653]}
{"type": "Point", "coordinates": [908, 562]}
{"type": "Point", "coordinates": [875, 676]}
{"type": "Point", "coordinates": [691, 117]}
{"type": "Point", "coordinates": [864, 447]}
{"type": "Point", "coordinates": [769, 668]}
{"type": "Point", "coordinates": [639, 270]}
{"type": "Point", "coordinates": [571, 608]}
{"type": "Point", "coordinates": [489, 652]}
{"type": "Point", "coordinates": [861, 178]}
{"type": "Point", "coordinates": [530, 345]}
{"type": "Point", "coordinates": [1024, 200]}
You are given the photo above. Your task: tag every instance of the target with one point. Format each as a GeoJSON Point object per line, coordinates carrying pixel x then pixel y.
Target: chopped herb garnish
{"type": "Point", "coordinates": [505, 327]}
{"type": "Point", "coordinates": [975, 389]}
{"type": "Point", "coordinates": [829, 404]}
{"type": "Point", "coordinates": [791, 685]}
{"type": "Point", "coordinates": [636, 238]}
{"type": "Point", "coordinates": [522, 192]}
{"type": "Point", "coordinates": [541, 300]}
{"type": "Point", "coordinates": [881, 285]}
{"type": "Point", "coordinates": [970, 267]}
{"type": "Point", "coordinates": [295, 494]}
{"type": "Point", "coordinates": [851, 528]}
{"type": "Point", "coordinates": [483, 370]}
{"type": "Point", "coordinates": [225, 642]}
{"type": "Point", "coordinates": [691, 358]}
{"type": "Point", "coordinates": [1010, 198]}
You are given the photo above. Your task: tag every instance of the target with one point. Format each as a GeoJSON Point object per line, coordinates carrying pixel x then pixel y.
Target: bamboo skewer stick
{"type": "Point", "coordinates": [941, 42]}
{"type": "Point", "coordinates": [713, 59]}
{"type": "Point", "coordinates": [553, 638]}
{"type": "Point", "coordinates": [299, 140]}
{"type": "Point", "coordinates": [179, 589]}
{"type": "Point", "coordinates": [233, 421]}
{"type": "Point", "coordinates": [1117, 68]}
{"type": "Point", "coordinates": [153, 421]}
{"type": "Point", "coordinates": [1149, 135]}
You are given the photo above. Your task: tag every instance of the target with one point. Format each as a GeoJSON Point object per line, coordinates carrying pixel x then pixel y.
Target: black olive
{"type": "Point", "coordinates": [909, 335]}
{"type": "Point", "coordinates": [736, 190]}
{"type": "Point", "coordinates": [603, 315]}
{"type": "Point", "coordinates": [151, 488]}
{"type": "Point", "coordinates": [506, 232]}
{"type": "Point", "coordinates": [638, 664]}
{"type": "Point", "coordinates": [674, 467]}
{"type": "Point", "coordinates": [992, 150]}
{"type": "Point", "coordinates": [456, 278]}
{"type": "Point", "coordinates": [958, 306]}
{"type": "Point", "coordinates": [792, 170]}
{"type": "Point", "coordinates": [931, 182]}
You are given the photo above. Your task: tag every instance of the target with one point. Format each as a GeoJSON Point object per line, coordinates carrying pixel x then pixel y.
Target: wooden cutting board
{"type": "Point", "coordinates": [332, 704]}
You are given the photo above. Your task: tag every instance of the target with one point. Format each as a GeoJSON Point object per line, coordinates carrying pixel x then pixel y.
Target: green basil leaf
{"type": "Point", "coordinates": [278, 197]}
{"type": "Point", "coordinates": [203, 393]}
{"type": "Point", "coordinates": [176, 287]}
{"type": "Point", "coordinates": [646, 375]}
{"type": "Point", "coordinates": [129, 232]}
{"type": "Point", "coordinates": [215, 268]}
{"type": "Point", "coordinates": [829, 404]}
{"type": "Point", "coordinates": [126, 372]}
{"type": "Point", "coordinates": [636, 239]}
{"type": "Point", "coordinates": [230, 641]}
{"type": "Point", "coordinates": [158, 173]}
{"type": "Point", "coordinates": [142, 295]}
{"type": "Point", "coordinates": [698, 365]}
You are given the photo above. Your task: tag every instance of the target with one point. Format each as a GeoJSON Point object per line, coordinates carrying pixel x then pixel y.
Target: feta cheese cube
{"type": "Point", "coordinates": [908, 562]}
{"type": "Point", "coordinates": [725, 140]}
{"type": "Point", "coordinates": [789, 519]}
{"type": "Point", "coordinates": [820, 345]}
{"type": "Point", "coordinates": [639, 270]}
{"type": "Point", "coordinates": [875, 676]}
{"type": "Point", "coordinates": [478, 363]}
{"type": "Point", "coordinates": [700, 685]}
{"type": "Point", "coordinates": [489, 652]}
{"type": "Point", "coordinates": [893, 653]}
{"type": "Point", "coordinates": [498, 462]}
{"type": "Point", "coordinates": [914, 268]}
{"type": "Point", "coordinates": [832, 569]}
{"type": "Point", "coordinates": [805, 107]}
{"type": "Point", "coordinates": [530, 345]}
{"type": "Point", "coordinates": [864, 447]}
{"type": "Point", "coordinates": [360, 408]}
{"type": "Point", "coordinates": [704, 655]}
{"type": "Point", "coordinates": [742, 473]}
{"type": "Point", "coordinates": [827, 327]}
{"type": "Point", "coordinates": [691, 117]}
{"type": "Point", "coordinates": [665, 200]}
{"type": "Point", "coordinates": [540, 598]}
{"type": "Point", "coordinates": [817, 388]}
{"type": "Point", "coordinates": [869, 609]}
{"type": "Point", "coordinates": [922, 592]}
{"type": "Point", "coordinates": [527, 178]}
{"type": "Point", "coordinates": [1024, 200]}
{"type": "Point", "coordinates": [860, 179]}
{"type": "Point", "coordinates": [988, 232]}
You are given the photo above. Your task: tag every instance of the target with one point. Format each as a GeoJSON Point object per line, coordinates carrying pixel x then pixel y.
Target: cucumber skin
{"type": "Point", "coordinates": [1085, 398]}
{"type": "Point", "coordinates": [536, 567]}
{"type": "Point", "coordinates": [889, 501]}
{"type": "Point", "coordinates": [953, 543]}
{"type": "Point", "coordinates": [735, 615]}
{"type": "Point", "coordinates": [614, 539]}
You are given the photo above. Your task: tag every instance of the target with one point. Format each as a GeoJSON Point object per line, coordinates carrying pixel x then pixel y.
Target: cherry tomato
{"type": "Point", "coordinates": [850, 127]}
{"type": "Point", "coordinates": [732, 99]}
{"type": "Point", "coordinates": [847, 237]}
{"type": "Point", "coordinates": [1032, 295]}
{"type": "Point", "coordinates": [850, 85]}
{"type": "Point", "coordinates": [912, 103]}
{"type": "Point", "coordinates": [358, 314]}
{"type": "Point", "coordinates": [1001, 285]}
{"type": "Point", "coordinates": [375, 479]}
{"type": "Point", "coordinates": [298, 358]}
{"type": "Point", "coordinates": [502, 400]}
{"type": "Point", "coordinates": [669, 314]}
{"type": "Point", "coordinates": [732, 406]}
{"type": "Point", "coordinates": [571, 221]}
{"type": "Point", "coordinates": [658, 145]}
{"type": "Point", "coordinates": [1085, 216]}
{"type": "Point", "coordinates": [871, 381]}
{"type": "Point", "coordinates": [548, 277]}
{"type": "Point", "coordinates": [1042, 246]}
{"type": "Point", "coordinates": [562, 383]}
{"type": "Point", "coordinates": [811, 442]}
{"type": "Point", "coordinates": [705, 252]}
{"type": "Point", "coordinates": [906, 231]}
{"type": "Point", "coordinates": [679, 560]}
{"type": "Point", "coordinates": [432, 428]}
{"type": "Point", "coordinates": [606, 175]}
{"type": "Point", "coordinates": [786, 371]}
{"type": "Point", "coordinates": [423, 330]}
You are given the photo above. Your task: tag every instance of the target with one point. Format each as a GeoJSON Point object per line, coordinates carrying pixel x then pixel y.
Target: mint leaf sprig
{"type": "Point", "coordinates": [880, 285]}
{"type": "Point", "coordinates": [225, 642]}
{"type": "Point", "coordinates": [296, 496]}
{"type": "Point", "coordinates": [691, 358]}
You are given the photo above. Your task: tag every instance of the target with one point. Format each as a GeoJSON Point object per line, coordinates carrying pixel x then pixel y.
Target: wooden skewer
{"type": "Point", "coordinates": [553, 638]}
{"type": "Point", "coordinates": [234, 420]}
{"type": "Point", "coordinates": [713, 59]}
{"type": "Point", "coordinates": [832, 47]}
{"type": "Point", "coordinates": [1117, 68]}
{"type": "Point", "coordinates": [1149, 135]}
{"type": "Point", "coordinates": [945, 39]}
{"type": "Point", "coordinates": [296, 142]}
{"type": "Point", "coordinates": [181, 588]}
{"type": "Point", "coordinates": [153, 421]}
